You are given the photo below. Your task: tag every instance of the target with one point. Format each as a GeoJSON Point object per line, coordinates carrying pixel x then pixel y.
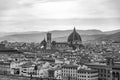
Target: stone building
{"type": "Point", "coordinates": [75, 72]}
{"type": "Point", "coordinates": [74, 42]}
{"type": "Point", "coordinates": [107, 71]}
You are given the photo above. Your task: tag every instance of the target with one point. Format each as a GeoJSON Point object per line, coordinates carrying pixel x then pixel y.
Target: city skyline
{"type": "Point", "coordinates": [47, 15]}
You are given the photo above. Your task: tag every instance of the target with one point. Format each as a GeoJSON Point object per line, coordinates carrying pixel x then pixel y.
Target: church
{"type": "Point", "coordinates": [74, 42]}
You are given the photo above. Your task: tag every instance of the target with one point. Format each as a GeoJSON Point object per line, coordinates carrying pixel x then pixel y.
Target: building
{"type": "Point", "coordinates": [51, 73]}
{"type": "Point", "coordinates": [69, 72]}
{"type": "Point", "coordinates": [103, 73]}
{"type": "Point", "coordinates": [43, 44]}
{"type": "Point", "coordinates": [78, 72]}
{"type": "Point", "coordinates": [61, 46]}
{"type": "Point", "coordinates": [49, 40]}
{"type": "Point", "coordinates": [58, 74]}
{"type": "Point", "coordinates": [4, 67]}
{"type": "Point", "coordinates": [27, 69]}
{"type": "Point", "coordinates": [15, 67]}
{"type": "Point", "coordinates": [107, 71]}
{"type": "Point", "coordinates": [2, 46]}
{"type": "Point", "coordinates": [74, 42]}
{"type": "Point", "coordinates": [10, 54]}
{"type": "Point", "coordinates": [30, 69]}
{"type": "Point", "coordinates": [87, 74]}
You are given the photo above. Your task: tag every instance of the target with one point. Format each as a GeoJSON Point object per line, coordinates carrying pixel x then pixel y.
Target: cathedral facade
{"type": "Point", "coordinates": [74, 42]}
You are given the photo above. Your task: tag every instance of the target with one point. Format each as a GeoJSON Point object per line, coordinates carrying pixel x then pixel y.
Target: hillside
{"type": "Point", "coordinates": [84, 38]}
{"type": "Point", "coordinates": [112, 32]}
{"type": "Point", "coordinates": [114, 37]}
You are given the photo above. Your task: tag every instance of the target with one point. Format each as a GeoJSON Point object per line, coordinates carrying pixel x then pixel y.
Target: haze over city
{"type": "Point", "coordinates": [46, 15]}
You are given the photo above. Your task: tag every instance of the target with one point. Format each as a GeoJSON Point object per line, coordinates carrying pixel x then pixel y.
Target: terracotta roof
{"type": "Point", "coordinates": [4, 63]}
{"type": "Point", "coordinates": [27, 65]}
{"type": "Point", "coordinates": [96, 64]}
{"type": "Point", "coordinates": [70, 66]}
{"type": "Point", "coordinates": [10, 50]}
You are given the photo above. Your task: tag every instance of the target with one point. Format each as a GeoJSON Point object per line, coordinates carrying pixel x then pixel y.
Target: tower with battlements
{"type": "Point", "coordinates": [48, 41]}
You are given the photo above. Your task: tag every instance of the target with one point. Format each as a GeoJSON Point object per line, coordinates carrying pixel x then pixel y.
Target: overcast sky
{"type": "Point", "coordinates": [44, 15]}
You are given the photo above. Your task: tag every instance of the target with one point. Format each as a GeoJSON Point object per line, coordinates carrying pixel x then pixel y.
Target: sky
{"type": "Point", "coordinates": [46, 15]}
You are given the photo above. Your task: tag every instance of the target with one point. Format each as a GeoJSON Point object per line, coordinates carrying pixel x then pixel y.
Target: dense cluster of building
{"type": "Point", "coordinates": [61, 69]}
{"type": "Point", "coordinates": [71, 60]}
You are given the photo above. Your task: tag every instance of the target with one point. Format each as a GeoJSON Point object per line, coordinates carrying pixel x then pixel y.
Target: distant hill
{"type": "Point", "coordinates": [39, 38]}
{"type": "Point", "coordinates": [114, 37]}
{"type": "Point", "coordinates": [24, 37]}
{"type": "Point", "coordinates": [58, 35]}
{"type": "Point", "coordinates": [84, 38]}
{"type": "Point", "coordinates": [112, 32]}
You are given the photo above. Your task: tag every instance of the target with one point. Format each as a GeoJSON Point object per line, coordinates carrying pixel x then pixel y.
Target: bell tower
{"type": "Point", "coordinates": [48, 40]}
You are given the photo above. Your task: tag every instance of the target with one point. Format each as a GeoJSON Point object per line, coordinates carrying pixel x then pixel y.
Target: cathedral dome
{"type": "Point", "coordinates": [74, 36]}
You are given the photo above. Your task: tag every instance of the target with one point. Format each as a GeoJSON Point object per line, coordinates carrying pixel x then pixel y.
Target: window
{"type": "Point", "coordinates": [101, 75]}
{"type": "Point", "coordinates": [108, 76]}
{"type": "Point", "coordinates": [101, 70]}
{"type": "Point", "coordinates": [104, 75]}
{"type": "Point", "coordinates": [108, 71]}
{"type": "Point", "coordinates": [104, 71]}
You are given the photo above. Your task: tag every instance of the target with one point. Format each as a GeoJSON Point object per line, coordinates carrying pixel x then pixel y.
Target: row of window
{"type": "Point", "coordinates": [74, 71]}
{"type": "Point", "coordinates": [72, 68]}
{"type": "Point", "coordinates": [103, 75]}
{"type": "Point", "coordinates": [84, 76]}
{"type": "Point", "coordinates": [69, 71]}
{"type": "Point", "coordinates": [104, 71]}
{"type": "Point", "coordinates": [83, 79]}
{"type": "Point", "coordinates": [68, 74]}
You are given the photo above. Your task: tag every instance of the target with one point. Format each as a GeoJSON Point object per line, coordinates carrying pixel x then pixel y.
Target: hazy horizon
{"type": "Point", "coordinates": [53, 30]}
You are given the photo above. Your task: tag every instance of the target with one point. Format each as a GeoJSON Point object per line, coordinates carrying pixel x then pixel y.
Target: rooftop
{"type": "Point", "coordinates": [96, 64]}
{"type": "Point", "coordinates": [70, 66]}
{"type": "Point", "coordinates": [10, 50]}
{"type": "Point", "coordinates": [27, 65]}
